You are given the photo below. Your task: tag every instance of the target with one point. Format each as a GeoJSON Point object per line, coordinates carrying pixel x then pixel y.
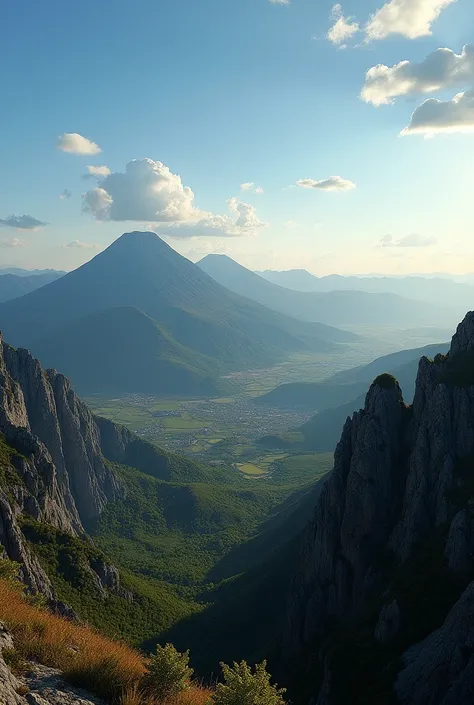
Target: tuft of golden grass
{"type": "Point", "coordinates": [107, 668]}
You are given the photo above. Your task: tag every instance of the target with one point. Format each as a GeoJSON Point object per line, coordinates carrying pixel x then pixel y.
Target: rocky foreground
{"type": "Point", "coordinates": [40, 686]}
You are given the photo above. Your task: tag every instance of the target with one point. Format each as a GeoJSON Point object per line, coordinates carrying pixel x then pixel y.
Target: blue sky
{"type": "Point", "coordinates": [228, 92]}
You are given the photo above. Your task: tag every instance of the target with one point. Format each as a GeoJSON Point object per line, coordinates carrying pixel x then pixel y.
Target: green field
{"type": "Point", "coordinates": [182, 424]}
{"type": "Point", "coordinates": [251, 469]}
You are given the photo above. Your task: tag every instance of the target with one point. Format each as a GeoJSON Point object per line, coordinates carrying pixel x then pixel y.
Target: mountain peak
{"type": "Point", "coordinates": [463, 339]}
{"type": "Point", "coordinates": [140, 237]}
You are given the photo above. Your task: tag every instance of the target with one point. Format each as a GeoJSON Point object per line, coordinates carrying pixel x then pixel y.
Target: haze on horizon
{"type": "Point", "coordinates": [283, 133]}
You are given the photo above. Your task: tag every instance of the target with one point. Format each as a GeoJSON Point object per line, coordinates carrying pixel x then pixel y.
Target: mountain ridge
{"type": "Point", "coordinates": [337, 307]}
{"type": "Point", "coordinates": [432, 289]}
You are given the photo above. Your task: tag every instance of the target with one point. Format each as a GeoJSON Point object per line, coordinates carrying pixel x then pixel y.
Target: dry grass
{"type": "Point", "coordinates": [107, 668]}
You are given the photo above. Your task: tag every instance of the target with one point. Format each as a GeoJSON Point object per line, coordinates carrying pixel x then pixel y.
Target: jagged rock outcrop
{"type": "Point", "coordinates": [354, 517]}
{"type": "Point", "coordinates": [399, 500]}
{"type": "Point", "coordinates": [53, 466]}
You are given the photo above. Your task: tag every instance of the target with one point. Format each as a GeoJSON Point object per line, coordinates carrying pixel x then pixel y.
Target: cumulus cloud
{"type": "Point", "coordinates": [22, 222]}
{"type": "Point", "coordinates": [333, 183]}
{"type": "Point", "coordinates": [410, 18]}
{"type": "Point", "coordinates": [77, 244]}
{"type": "Point", "coordinates": [74, 143]}
{"type": "Point", "coordinates": [97, 202]}
{"type": "Point", "coordinates": [147, 191]}
{"type": "Point", "coordinates": [440, 70]}
{"type": "Point", "coordinates": [242, 221]}
{"type": "Point", "coordinates": [412, 240]}
{"type": "Point", "coordinates": [251, 186]}
{"type": "Point", "coordinates": [65, 194]}
{"type": "Point", "coordinates": [97, 172]}
{"type": "Point", "coordinates": [343, 28]}
{"type": "Point", "coordinates": [436, 117]}
{"type": "Point", "coordinates": [13, 242]}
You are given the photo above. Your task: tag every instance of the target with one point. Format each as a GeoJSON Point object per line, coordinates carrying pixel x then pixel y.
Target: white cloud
{"type": "Point", "coordinates": [97, 202]}
{"type": "Point", "coordinates": [333, 183]}
{"type": "Point", "coordinates": [251, 186]}
{"type": "Point", "coordinates": [342, 29]}
{"type": "Point", "coordinates": [73, 143]}
{"type": "Point", "coordinates": [412, 240]}
{"type": "Point", "coordinates": [440, 70]}
{"type": "Point", "coordinates": [98, 172]}
{"type": "Point", "coordinates": [13, 242]}
{"type": "Point", "coordinates": [279, 2]}
{"type": "Point", "coordinates": [243, 221]}
{"type": "Point", "coordinates": [22, 222]}
{"type": "Point", "coordinates": [77, 244]}
{"type": "Point", "coordinates": [436, 117]}
{"type": "Point", "coordinates": [147, 191]}
{"type": "Point", "coordinates": [65, 194]}
{"type": "Point", "coordinates": [410, 18]}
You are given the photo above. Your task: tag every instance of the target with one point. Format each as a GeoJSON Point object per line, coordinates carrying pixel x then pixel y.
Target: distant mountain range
{"type": "Point", "coordinates": [339, 396]}
{"type": "Point", "coordinates": [141, 318]}
{"type": "Point", "coordinates": [430, 289]}
{"type": "Point", "coordinates": [14, 285]}
{"type": "Point", "coordinates": [335, 307]}
{"type": "Point", "coordinates": [19, 272]}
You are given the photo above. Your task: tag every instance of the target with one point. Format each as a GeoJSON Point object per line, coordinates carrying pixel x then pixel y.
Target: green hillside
{"type": "Point", "coordinates": [348, 385]}
{"type": "Point", "coordinates": [179, 534]}
{"type": "Point", "coordinates": [129, 352]}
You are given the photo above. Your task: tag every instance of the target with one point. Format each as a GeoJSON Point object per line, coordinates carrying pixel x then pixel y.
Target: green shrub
{"type": "Point", "coordinates": [9, 572]}
{"type": "Point", "coordinates": [242, 687]}
{"type": "Point", "coordinates": [168, 673]}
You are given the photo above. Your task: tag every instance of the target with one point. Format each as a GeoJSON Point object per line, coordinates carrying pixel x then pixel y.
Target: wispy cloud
{"type": "Point", "coordinates": [77, 244]}
{"type": "Point", "coordinates": [251, 186]}
{"type": "Point", "coordinates": [332, 183]}
{"type": "Point", "coordinates": [13, 242]}
{"type": "Point", "coordinates": [65, 194]}
{"type": "Point", "coordinates": [412, 240]}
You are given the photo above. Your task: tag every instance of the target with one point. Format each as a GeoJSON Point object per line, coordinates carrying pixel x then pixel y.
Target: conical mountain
{"type": "Point", "coordinates": [183, 323]}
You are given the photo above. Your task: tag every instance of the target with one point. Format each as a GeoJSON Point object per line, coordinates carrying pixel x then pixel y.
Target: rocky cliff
{"type": "Point", "coordinates": [52, 468]}
{"type": "Point", "coordinates": [381, 604]}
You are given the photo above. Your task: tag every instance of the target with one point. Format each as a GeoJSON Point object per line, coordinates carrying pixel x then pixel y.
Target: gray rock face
{"type": "Point", "coordinates": [62, 477]}
{"type": "Point", "coordinates": [353, 519]}
{"type": "Point", "coordinates": [396, 474]}
{"type": "Point", "coordinates": [440, 670]}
